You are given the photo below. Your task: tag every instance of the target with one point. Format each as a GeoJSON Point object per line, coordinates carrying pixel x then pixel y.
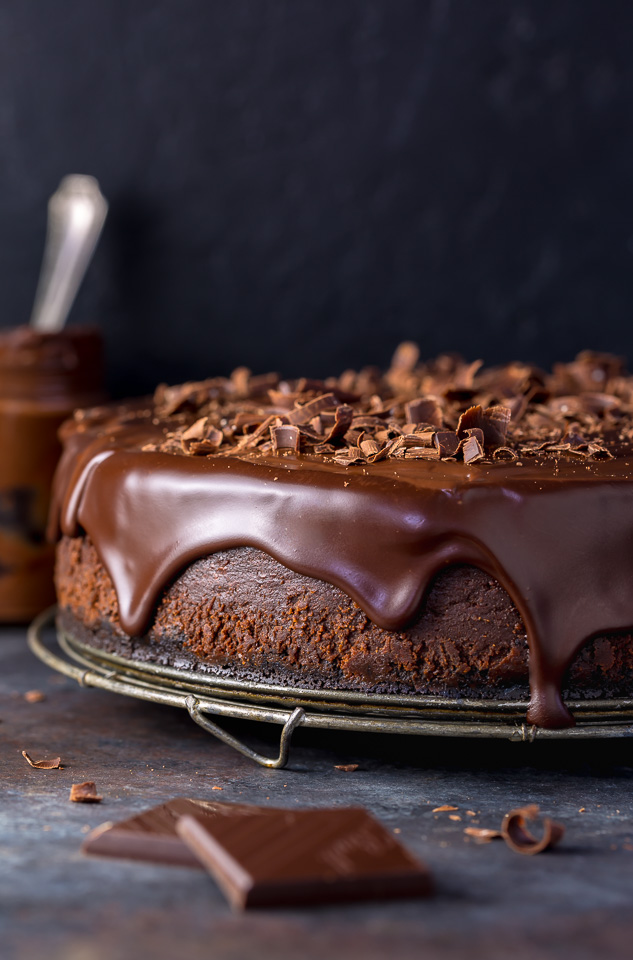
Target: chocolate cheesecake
{"type": "Point", "coordinates": [441, 529]}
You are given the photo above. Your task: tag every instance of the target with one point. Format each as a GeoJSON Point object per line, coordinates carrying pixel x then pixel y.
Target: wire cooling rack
{"type": "Point", "coordinates": [205, 695]}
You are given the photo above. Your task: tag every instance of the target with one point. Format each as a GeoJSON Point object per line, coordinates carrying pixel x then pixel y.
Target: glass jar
{"type": "Point", "coordinates": [43, 378]}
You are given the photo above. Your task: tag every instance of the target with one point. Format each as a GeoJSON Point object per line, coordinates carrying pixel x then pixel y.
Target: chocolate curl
{"type": "Point", "coordinates": [252, 439]}
{"type": "Point", "coordinates": [210, 444]}
{"type": "Point", "coordinates": [201, 438]}
{"type": "Point", "coordinates": [504, 453]}
{"type": "Point", "coordinates": [599, 452]}
{"type": "Point", "coordinates": [312, 408]}
{"type": "Point", "coordinates": [405, 358]}
{"type": "Point", "coordinates": [424, 410]}
{"type": "Point", "coordinates": [389, 450]}
{"type": "Point", "coordinates": [342, 422]}
{"type": "Point", "coordinates": [240, 381]}
{"type": "Point", "coordinates": [285, 437]}
{"type": "Point", "coordinates": [447, 443]}
{"type": "Point", "coordinates": [520, 839]}
{"type": "Point", "coordinates": [493, 422]}
{"type": "Point", "coordinates": [196, 431]}
{"type": "Point", "coordinates": [496, 423]}
{"type": "Point", "coordinates": [464, 376]}
{"type": "Point", "coordinates": [369, 448]}
{"type": "Point", "coordinates": [473, 446]}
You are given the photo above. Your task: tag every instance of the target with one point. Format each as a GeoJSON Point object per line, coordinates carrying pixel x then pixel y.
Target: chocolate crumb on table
{"type": "Point", "coordinates": [84, 793]}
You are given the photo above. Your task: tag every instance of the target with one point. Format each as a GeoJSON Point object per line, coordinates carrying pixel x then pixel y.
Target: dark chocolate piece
{"type": "Point", "coordinates": [151, 835]}
{"type": "Point", "coordinates": [304, 857]}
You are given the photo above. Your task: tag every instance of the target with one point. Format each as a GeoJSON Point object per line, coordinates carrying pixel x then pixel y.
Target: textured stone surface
{"type": "Point", "coordinates": [490, 902]}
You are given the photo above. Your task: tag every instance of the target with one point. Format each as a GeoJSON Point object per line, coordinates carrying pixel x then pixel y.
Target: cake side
{"type": "Point", "coordinates": [241, 614]}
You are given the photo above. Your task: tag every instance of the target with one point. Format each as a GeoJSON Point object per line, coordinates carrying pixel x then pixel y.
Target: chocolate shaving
{"type": "Point", "coordinates": [250, 440]}
{"type": "Point", "coordinates": [55, 764]}
{"type": "Point", "coordinates": [285, 437]}
{"type": "Point", "coordinates": [455, 410]}
{"type": "Point", "coordinates": [369, 447]}
{"type": "Point", "coordinates": [196, 431]}
{"type": "Point", "coordinates": [424, 410]}
{"type": "Point", "coordinates": [310, 409]}
{"type": "Point", "coordinates": [343, 420]}
{"type": "Point", "coordinates": [472, 448]}
{"type": "Point", "coordinates": [422, 453]}
{"type": "Point", "coordinates": [447, 443]}
{"type": "Point", "coordinates": [405, 358]}
{"type": "Point", "coordinates": [492, 422]}
{"type": "Point", "coordinates": [496, 422]}
{"type": "Point", "coordinates": [519, 838]}
{"type": "Point", "coordinates": [504, 453]}
{"type": "Point", "coordinates": [84, 793]}
{"type": "Point", "coordinates": [346, 767]}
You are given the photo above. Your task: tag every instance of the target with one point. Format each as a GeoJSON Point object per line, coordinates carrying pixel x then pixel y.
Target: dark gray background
{"type": "Point", "coordinates": [299, 184]}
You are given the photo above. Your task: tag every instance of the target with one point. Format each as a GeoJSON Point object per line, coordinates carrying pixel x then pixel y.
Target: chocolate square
{"type": "Point", "coordinates": [292, 857]}
{"type": "Point", "coordinates": [151, 835]}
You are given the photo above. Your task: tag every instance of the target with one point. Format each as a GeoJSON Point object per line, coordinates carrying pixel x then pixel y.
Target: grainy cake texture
{"type": "Point", "coordinates": [240, 613]}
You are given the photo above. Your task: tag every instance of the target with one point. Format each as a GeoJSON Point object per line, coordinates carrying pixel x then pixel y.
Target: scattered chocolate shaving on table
{"type": "Point", "coordinates": [444, 409]}
{"type": "Point", "coordinates": [483, 834]}
{"type": "Point", "coordinates": [34, 696]}
{"type": "Point", "coordinates": [84, 793]}
{"type": "Point", "coordinates": [519, 838]}
{"type": "Point", "coordinates": [346, 767]}
{"type": "Point", "coordinates": [444, 808]}
{"type": "Point", "coordinates": [55, 764]}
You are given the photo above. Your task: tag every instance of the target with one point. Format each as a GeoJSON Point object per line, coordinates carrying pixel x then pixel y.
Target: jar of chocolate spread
{"type": "Point", "coordinates": [43, 377]}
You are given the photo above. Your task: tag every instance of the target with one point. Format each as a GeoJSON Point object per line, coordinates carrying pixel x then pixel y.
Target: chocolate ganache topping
{"type": "Point", "coordinates": [375, 483]}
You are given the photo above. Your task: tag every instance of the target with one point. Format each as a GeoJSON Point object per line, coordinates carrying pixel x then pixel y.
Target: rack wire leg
{"type": "Point", "coordinates": [293, 721]}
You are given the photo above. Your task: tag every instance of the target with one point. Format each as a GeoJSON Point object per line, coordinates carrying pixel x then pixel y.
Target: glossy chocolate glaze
{"type": "Point", "coordinates": [557, 534]}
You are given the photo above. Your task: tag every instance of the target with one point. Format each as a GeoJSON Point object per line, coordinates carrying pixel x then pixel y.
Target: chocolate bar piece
{"type": "Point", "coordinates": [152, 836]}
{"type": "Point", "coordinates": [291, 857]}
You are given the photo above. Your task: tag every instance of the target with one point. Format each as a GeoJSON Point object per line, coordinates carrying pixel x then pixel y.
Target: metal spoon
{"type": "Point", "coordinates": [76, 214]}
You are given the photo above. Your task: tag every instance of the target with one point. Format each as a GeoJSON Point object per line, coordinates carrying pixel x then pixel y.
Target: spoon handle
{"type": "Point", "coordinates": [76, 213]}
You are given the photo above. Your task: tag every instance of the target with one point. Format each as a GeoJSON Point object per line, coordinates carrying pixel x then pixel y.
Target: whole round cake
{"type": "Point", "coordinates": [441, 529]}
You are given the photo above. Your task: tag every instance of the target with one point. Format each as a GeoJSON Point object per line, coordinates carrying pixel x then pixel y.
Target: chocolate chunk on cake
{"type": "Point", "coordinates": [441, 529]}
